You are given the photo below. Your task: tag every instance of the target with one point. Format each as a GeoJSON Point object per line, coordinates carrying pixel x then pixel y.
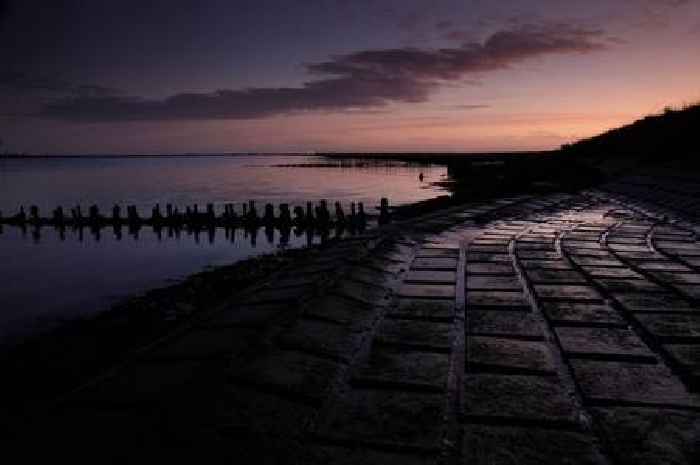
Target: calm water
{"type": "Point", "coordinates": [45, 279]}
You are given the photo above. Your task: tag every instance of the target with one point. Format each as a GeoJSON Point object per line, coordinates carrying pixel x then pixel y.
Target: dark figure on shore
{"type": "Point", "coordinates": [420, 177]}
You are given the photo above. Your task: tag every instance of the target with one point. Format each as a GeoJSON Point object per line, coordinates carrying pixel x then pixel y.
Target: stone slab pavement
{"type": "Point", "coordinates": [562, 328]}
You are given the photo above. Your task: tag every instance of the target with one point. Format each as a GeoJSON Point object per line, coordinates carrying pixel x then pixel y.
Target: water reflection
{"type": "Point", "coordinates": [51, 273]}
{"type": "Point", "coordinates": [279, 236]}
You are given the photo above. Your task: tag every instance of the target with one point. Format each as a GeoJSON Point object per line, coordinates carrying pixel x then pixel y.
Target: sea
{"type": "Point", "coordinates": [47, 278]}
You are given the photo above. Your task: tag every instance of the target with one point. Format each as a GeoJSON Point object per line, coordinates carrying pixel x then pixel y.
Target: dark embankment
{"type": "Point", "coordinates": [668, 140]}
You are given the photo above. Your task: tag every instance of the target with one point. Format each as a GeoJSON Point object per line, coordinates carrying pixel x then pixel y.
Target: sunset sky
{"type": "Point", "coordinates": [316, 75]}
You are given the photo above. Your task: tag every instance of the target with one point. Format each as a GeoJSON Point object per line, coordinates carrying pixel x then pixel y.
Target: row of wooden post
{"type": "Point", "coordinates": [314, 216]}
{"type": "Point", "coordinates": [175, 231]}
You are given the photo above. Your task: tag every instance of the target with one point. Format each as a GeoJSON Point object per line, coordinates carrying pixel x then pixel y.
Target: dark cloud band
{"type": "Point", "coordinates": [370, 78]}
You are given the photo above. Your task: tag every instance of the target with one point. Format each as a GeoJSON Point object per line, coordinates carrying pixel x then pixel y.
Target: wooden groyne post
{"type": "Point", "coordinates": [314, 217]}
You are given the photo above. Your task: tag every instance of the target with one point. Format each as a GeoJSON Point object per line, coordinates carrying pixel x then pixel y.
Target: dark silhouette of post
{"type": "Point", "coordinates": [384, 216]}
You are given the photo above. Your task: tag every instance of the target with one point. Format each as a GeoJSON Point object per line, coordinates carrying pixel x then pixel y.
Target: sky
{"type": "Point", "coordinates": [187, 76]}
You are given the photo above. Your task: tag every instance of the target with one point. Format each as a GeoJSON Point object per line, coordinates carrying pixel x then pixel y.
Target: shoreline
{"type": "Point", "coordinates": [82, 348]}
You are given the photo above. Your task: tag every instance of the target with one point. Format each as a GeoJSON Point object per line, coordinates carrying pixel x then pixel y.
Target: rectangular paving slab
{"type": "Point", "coordinates": [686, 359]}
{"type": "Point", "coordinates": [412, 419]}
{"type": "Point", "coordinates": [358, 455]}
{"type": "Point", "coordinates": [390, 368]}
{"type": "Point", "coordinates": [579, 244]}
{"type": "Point", "coordinates": [558, 264]}
{"type": "Point", "coordinates": [321, 338]}
{"type": "Point", "coordinates": [427, 291]}
{"type": "Point", "coordinates": [507, 324]}
{"type": "Point", "coordinates": [639, 302]}
{"type": "Point", "coordinates": [500, 300]}
{"type": "Point", "coordinates": [498, 283]}
{"type": "Point", "coordinates": [488, 258]}
{"type": "Point", "coordinates": [290, 372]}
{"type": "Point", "coordinates": [414, 334]}
{"type": "Point", "coordinates": [491, 269]}
{"type": "Point", "coordinates": [248, 409]}
{"type": "Point", "coordinates": [537, 255]}
{"type": "Point", "coordinates": [362, 292]}
{"type": "Point", "coordinates": [662, 265]}
{"type": "Point", "coordinates": [609, 382]}
{"type": "Point", "coordinates": [339, 310]}
{"type": "Point", "coordinates": [677, 277]}
{"type": "Point", "coordinates": [650, 436]}
{"type": "Point", "coordinates": [567, 292]}
{"type": "Point", "coordinates": [517, 399]}
{"type": "Point", "coordinates": [442, 263]}
{"type": "Point", "coordinates": [630, 285]}
{"type": "Point", "coordinates": [670, 328]}
{"type": "Point", "coordinates": [604, 343]}
{"type": "Point", "coordinates": [428, 309]}
{"type": "Point", "coordinates": [437, 253]}
{"type": "Point", "coordinates": [581, 313]}
{"type": "Point", "coordinates": [540, 276]}
{"type": "Point", "coordinates": [497, 354]}
{"type": "Point", "coordinates": [594, 261]}
{"type": "Point", "coordinates": [431, 277]}
{"type": "Point", "coordinates": [614, 273]}
{"type": "Point", "coordinates": [488, 249]}
{"type": "Point", "coordinates": [501, 444]}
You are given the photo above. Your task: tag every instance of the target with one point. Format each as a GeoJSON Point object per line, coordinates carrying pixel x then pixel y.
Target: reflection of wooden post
{"type": "Point", "coordinates": [252, 212]}
{"type": "Point", "coordinates": [269, 217]}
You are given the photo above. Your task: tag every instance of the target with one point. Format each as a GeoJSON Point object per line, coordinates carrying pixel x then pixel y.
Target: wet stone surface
{"type": "Point", "coordinates": [460, 337]}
